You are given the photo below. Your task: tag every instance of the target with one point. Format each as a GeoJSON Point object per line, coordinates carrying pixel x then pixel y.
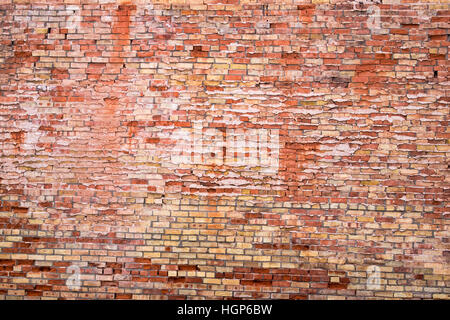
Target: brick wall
{"type": "Point", "coordinates": [224, 149]}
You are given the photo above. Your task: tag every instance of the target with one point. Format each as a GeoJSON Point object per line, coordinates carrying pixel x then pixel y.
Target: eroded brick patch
{"type": "Point", "coordinates": [93, 108]}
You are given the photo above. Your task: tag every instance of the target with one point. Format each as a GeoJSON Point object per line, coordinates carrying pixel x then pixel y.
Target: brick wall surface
{"type": "Point", "coordinates": [224, 149]}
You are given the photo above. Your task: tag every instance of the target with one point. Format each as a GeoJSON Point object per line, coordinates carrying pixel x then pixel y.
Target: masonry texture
{"type": "Point", "coordinates": [116, 181]}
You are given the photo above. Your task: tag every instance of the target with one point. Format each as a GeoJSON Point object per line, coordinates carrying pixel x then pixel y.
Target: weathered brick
{"type": "Point", "coordinates": [196, 149]}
